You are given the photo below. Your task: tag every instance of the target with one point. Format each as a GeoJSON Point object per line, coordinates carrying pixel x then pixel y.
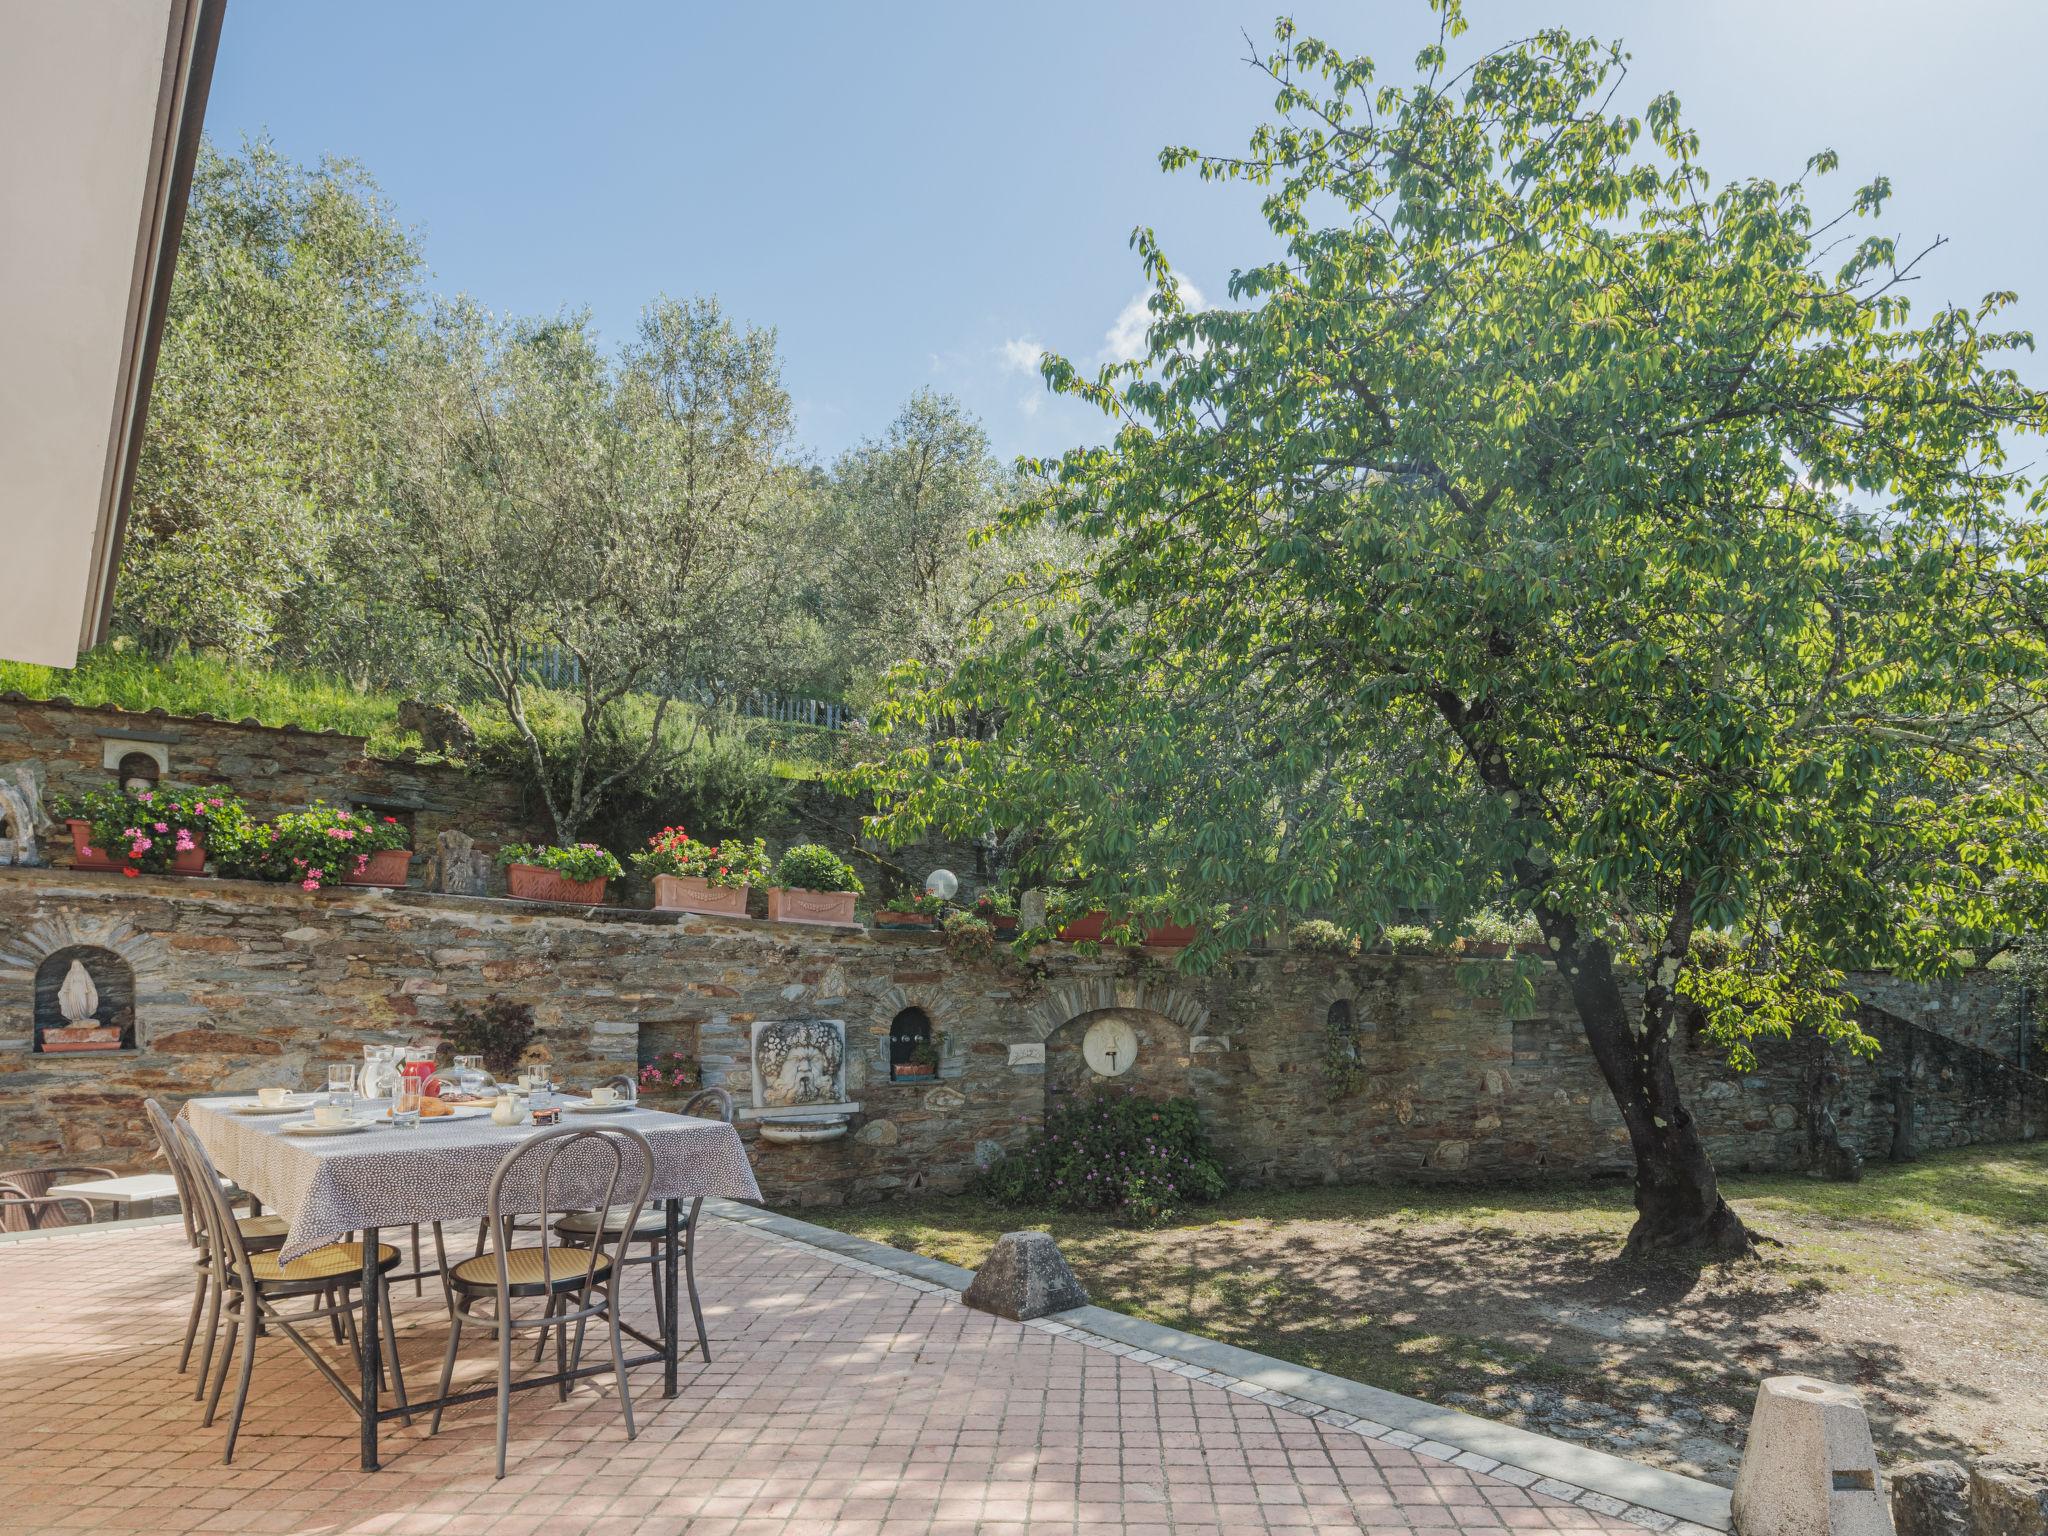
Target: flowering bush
{"type": "Point", "coordinates": [1140, 1159]}
{"type": "Point", "coordinates": [314, 847]}
{"type": "Point", "coordinates": [586, 861]}
{"type": "Point", "coordinates": [918, 906]}
{"type": "Point", "coordinates": [813, 867]}
{"type": "Point", "coordinates": [990, 905]}
{"type": "Point", "coordinates": [146, 830]}
{"type": "Point", "coordinates": [673, 1073]}
{"type": "Point", "coordinates": [965, 931]}
{"type": "Point", "coordinates": [732, 863]}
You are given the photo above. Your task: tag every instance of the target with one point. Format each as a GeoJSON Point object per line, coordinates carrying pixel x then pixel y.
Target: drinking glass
{"type": "Point", "coordinates": [405, 1109]}
{"type": "Point", "coordinates": [538, 1086]}
{"type": "Point", "coordinates": [341, 1083]}
{"type": "Point", "coordinates": [469, 1075]}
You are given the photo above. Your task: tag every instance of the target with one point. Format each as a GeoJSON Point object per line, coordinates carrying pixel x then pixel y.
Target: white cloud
{"type": "Point", "coordinates": [1124, 341]}
{"type": "Point", "coordinates": [1020, 354]}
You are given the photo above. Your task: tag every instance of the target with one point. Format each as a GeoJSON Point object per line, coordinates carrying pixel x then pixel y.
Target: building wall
{"type": "Point", "coordinates": [238, 984]}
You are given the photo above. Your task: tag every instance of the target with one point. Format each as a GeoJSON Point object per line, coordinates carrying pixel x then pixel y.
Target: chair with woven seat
{"type": "Point", "coordinates": [652, 1229]}
{"type": "Point", "coordinates": [26, 1204]}
{"type": "Point", "coordinates": [259, 1233]}
{"type": "Point", "coordinates": [254, 1284]}
{"type": "Point", "coordinates": [573, 1282]}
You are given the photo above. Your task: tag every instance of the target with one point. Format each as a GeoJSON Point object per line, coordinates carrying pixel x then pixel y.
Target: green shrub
{"type": "Point", "coordinates": [918, 905]}
{"type": "Point", "coordinates": [966, 931]}
{"type": "Point", "coordinates": [499, 1031]}
{"type": "Point", "coordinates": [1139, 1159]}
{"type": "Point", "coordinates": [1317, 937]}
{"type": "Point", "coordinates": [1407, 936]}
{"type": "Point", "coordinates": [585, 861]}
{"type": "Point", "coordinates": [814, 867]}
{"type": "Point", "coordinates": [1496, 927]}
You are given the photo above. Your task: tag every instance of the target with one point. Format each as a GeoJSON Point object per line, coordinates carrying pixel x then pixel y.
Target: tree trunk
{"type": "Point", "coordinates": [1678, 1196]}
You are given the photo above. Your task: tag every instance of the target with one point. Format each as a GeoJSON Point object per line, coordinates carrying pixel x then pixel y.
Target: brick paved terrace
{"type": "Point", "coordinates": [840, 1400]}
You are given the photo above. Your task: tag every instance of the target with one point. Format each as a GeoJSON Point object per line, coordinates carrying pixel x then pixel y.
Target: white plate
{"type": "Point", "coordinates": [455, 1112]}
{"type": "Point", "coordinates": [616, 1107]}
{"type": "Point", "coordinates": [290, 1107]}
{"type": "Point", "coordinates": [310, 1129]}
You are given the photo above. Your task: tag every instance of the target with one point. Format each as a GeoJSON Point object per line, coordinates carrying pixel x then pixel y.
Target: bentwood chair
{"type": "Point", "coordinates": [254, 1285]}
{"type": "Point", "coordinates": [573, 1283]}
{"type": "Point", "coordinates": [585, 1227]}
{"type": "Point", "coordinates": [260, 1234]}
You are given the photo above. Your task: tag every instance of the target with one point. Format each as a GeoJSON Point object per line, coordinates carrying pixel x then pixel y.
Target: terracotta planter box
{"type": "Point", "coordinates": [1170, 936]}
{"type": "Point", "coordinates": [906, 1074]}
{"type": "Point", "coordinates": [1483, 949]}
{"type": "Point", "coordinates": [905, 920]}
{"type": "Point", "coordinates": [530, 882]}
{"type": "Point", "coordinates": [387, 868]}
{"type": "Point", "coordinates": [1005, 927]}
{"type": "Point", "coordinates": [1085, 929]}
{"type": "Point", "coordinates": [794, 904]}
{"type": "Point", "coordinates": [693, 893]}
{"type": "Point", "coordinates": [85, 856]}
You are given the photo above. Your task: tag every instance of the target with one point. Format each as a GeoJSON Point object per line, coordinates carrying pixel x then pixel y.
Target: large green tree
{"type": "Point", "coordinates": [1543, 525]}
{"type": "Point", "coordinates": [259, 500]}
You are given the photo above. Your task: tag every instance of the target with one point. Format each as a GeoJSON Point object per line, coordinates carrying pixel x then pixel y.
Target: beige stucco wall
{"type": "Point", "coordinates": [79, 93]}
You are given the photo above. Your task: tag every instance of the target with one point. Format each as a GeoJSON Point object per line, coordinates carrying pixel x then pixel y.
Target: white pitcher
{"type": "Point", "coordinates": [381, 1074]}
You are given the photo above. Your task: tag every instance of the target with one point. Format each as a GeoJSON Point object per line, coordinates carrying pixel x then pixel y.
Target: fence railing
{"type": "Point", "coordinates": [553, 667]}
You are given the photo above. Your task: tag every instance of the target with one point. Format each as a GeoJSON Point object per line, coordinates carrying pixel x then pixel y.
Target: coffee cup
{"type": "Point", "coordinates": [331, 1115]}
{"type": "Point", "coordinates": [606, 1095]}
{"type": "Point", "coordinates": [273, 1098]}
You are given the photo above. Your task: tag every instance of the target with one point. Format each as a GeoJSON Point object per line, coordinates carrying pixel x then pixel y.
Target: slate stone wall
{"type": "Point", "coordinates": [274, 769]}
{"type": "Point", "coordinates": [239, 984]}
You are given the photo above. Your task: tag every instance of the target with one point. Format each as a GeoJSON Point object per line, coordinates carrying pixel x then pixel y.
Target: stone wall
{"type": "Point", "coordinates": [238, 984]}
{"type": "Point", "coordinates": [273, 769]}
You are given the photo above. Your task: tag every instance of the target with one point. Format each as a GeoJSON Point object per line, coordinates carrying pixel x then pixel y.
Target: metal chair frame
{"type": "Point", "coordinates": [252, 1303]}
{"type": "Point", "coordinates": [712, 1098]}
{"type": "Point", "coordinates": [576, 1296]}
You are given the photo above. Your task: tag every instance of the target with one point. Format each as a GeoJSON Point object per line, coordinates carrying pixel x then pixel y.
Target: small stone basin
{"type": "Point", "coordinates": [793, 1131]}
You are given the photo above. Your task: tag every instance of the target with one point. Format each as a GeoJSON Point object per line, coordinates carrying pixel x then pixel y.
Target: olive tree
{"type": "Point", "coordinates": [616, 517]}
{"type": "Point", "coordinates": [1542, 525]}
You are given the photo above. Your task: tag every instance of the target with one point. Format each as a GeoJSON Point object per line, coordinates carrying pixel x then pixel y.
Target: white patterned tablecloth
{"type": "Point", "coordinates": [440, 1170]}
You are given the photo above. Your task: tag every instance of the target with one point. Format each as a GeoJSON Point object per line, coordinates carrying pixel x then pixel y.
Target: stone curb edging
{"type": "Point", "coordinates": [1609, 1485]}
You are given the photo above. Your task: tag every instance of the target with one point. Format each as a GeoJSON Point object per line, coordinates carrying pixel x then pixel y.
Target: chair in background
{"type": "Point", "coordinates": [259, 1234]}
{"type": "Point", "coordinates": [254, 1285]}
{"type": "Point", "coordinates": [575, 1283]}
{"type": "Point", "coordinates": [651, 1230]}
{"type": "Point", "coordinates": [26, 1204]}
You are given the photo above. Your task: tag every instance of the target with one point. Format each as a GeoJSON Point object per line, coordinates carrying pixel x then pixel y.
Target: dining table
{"type": "Point", "coordinates": [439, 1170]}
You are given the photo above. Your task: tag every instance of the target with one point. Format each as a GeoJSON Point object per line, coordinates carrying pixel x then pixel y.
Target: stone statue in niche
{"type": "Point", "coordinates": [799, 1062]}
{"type": "Point", "coordinates": [21, 814]}
{"type": "Point", "coordinates": [85, 1001]}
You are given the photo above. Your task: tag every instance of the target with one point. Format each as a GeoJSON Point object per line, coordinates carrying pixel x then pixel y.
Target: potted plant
{"type": "Point", "coordinates": [670, 1076]}
{"type": "Point", "coordinates": [153, 831]}
{"type": "Point", "coordinates": [544, 872]}
{"type": "Point", "coordinates": [690, 876]}
{"type": "Point", "coordinates": [999, 910]}
{"type": "Point", "coordinates": [923, 1063]}
{"type": "Point", "coordinates": [911, 912]}
{"type": "Point", "coordinates": [813, 885]}
{"type": "Point", "coordinates": [320, 846]}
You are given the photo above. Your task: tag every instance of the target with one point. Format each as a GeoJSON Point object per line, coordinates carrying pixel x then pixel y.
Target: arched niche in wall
{"type": "Point", "coordinates": [910, 1029]}
{"type": "Point", "coordinates": [84, 1001]}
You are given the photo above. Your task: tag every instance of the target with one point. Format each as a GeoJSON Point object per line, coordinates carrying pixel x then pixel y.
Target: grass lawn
{"type": "Point", "coordinates": [1513, 1305]}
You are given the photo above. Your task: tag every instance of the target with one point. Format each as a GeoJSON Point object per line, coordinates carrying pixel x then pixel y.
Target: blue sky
{"type": "Point", "coordinates": [920, 194]}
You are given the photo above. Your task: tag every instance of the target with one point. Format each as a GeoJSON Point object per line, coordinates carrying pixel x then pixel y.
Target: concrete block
{"type": "Point", "coordinates": [1026, 1276]}
{"type": "Point", "coordinates": [1808, 1468]}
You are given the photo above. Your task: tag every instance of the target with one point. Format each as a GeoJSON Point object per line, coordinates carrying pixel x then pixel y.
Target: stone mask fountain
{"type": "Point", "coordinates": [800, 1080]}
